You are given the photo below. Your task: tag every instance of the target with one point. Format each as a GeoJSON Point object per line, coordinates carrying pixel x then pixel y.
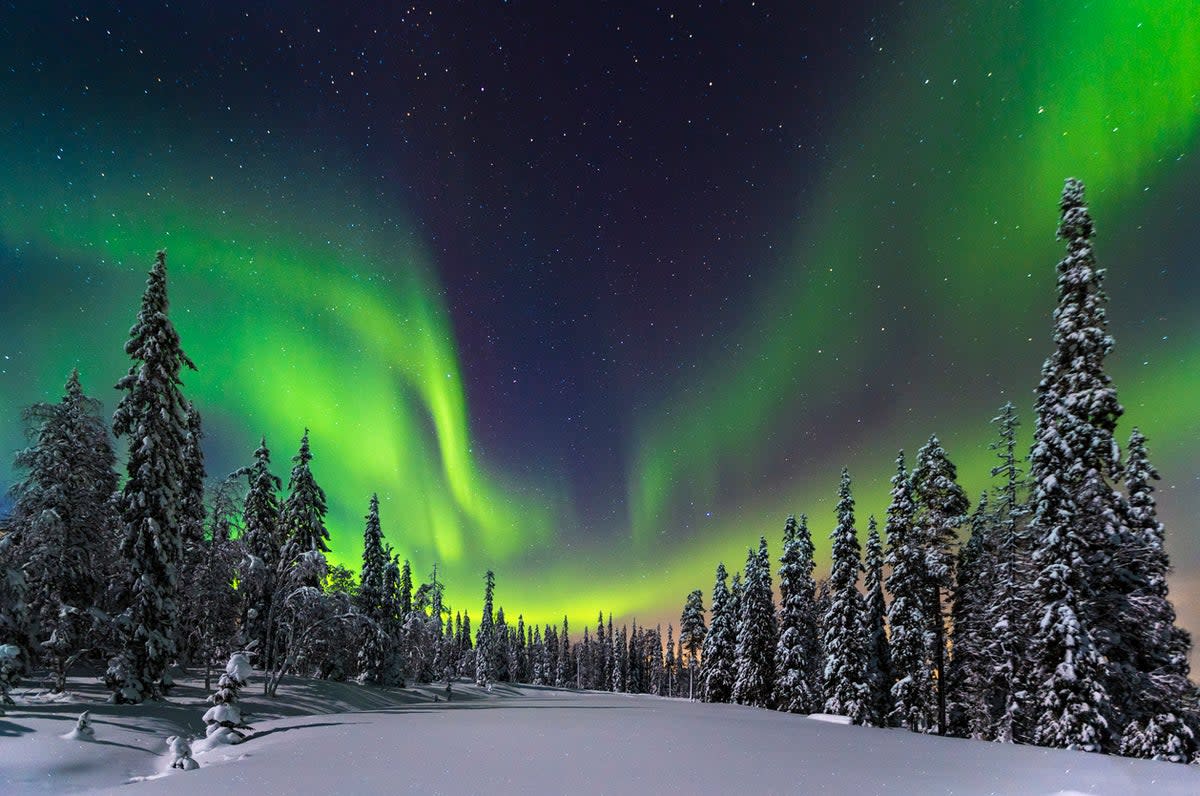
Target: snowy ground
{"type": "Point", "coordinates": [321, 737]}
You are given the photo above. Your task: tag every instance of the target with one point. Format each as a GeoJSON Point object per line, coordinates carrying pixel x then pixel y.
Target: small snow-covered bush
{"type": "Point", "coordinates": [181, 753]}
{"type": "Point", "coordinates": [83, 730]}
{"type": "Point", "coordinates": [224, 719]}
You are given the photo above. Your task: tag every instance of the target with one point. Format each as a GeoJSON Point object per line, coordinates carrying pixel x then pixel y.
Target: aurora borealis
{"type": "Point", "coordinates": [596, 296]}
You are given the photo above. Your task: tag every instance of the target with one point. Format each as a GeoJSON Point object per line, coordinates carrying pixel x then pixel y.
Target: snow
{"type": "Point", "coordinates": [343, 737]}
{"type": "Point", "coordinates": [831, 718]}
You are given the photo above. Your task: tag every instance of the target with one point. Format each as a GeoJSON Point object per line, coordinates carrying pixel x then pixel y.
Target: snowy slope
{"type": "Point", "coordinates": [533, 740]}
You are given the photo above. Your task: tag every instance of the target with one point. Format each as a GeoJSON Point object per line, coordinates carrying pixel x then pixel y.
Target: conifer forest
{"type": "Point", "coordinates": [1039, 614]}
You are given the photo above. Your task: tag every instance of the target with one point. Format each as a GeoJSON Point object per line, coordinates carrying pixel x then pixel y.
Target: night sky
{"type": "Point", "coordinates": [594, 294]}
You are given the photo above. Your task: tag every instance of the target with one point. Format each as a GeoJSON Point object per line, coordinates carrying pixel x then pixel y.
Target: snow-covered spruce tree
{"type": "Point", "coordinates": [152, 415]}
{"type": "Point", "coordinates": [691, 634]}
{"type": "Point", "coordinates": [797, 676]}
{"type": "Point", "coordinates": [522, 652]}
{"type": "Point", "coordinates": [262, 541]}
{"type": "Point", "coordinates": [658, 673]}
{"type": "Point", "coordinates": [583, 660]}
{"type": "Point", "coordinates": [969, 675]}
{"type": "Point", "coordinates": [550, 652]}
{"type": "Point", "coordinates": [601, 667]}
{"type": "Point", "coordinates": [499, 666]}
{"type": "Point", "coordinates": [1009, 583]}
{"type": "Point", "coordinates": [513, 654]}
{"type": "Point", "coordinates": [483, 639]}
{"type": "Point", "coordinates": [757, 635]}
{"type": "Point", "coordinates": [879, 657]}
{"type": "Point", "coordinates": [466, 665]}
{"type": "Point", "coordinates": [563, 676]}
{"type": "Point", "coordinates": [845, 685]}
{"type": "Point", "coordinates": [679, 666]}
{"type": "Point", "coordinates": [1076, 513]}
{"type": "Point", "coordinates": [941, 509]}
{"type": "Point", "coordinates": [58, 528]}
{"type": "Point", "coordinates": [375, 652]}
{"type": "Point", "coordinates": [537, 658]}
{"type": "Point", "coordinates": [670, 675]}
{"type": "Point", "coordinates": [620, 663]}
{"type": "Point", "coordinates": [406, 590]}
{"type": "Point", "coordinates": [370, 585]}
{"type": "Point", "coordinates": [1156, 675]}
{"type": "Point", "coordinates": [302, 519]}
{"type": "Point", "coordinates": [223, 721]}
{"type": "Point", "coordinates": [446, 664]}
{"type": "Point", "coordinates": [633, 676]}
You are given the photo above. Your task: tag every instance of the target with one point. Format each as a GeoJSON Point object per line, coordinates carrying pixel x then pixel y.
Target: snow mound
{"type": "Point", "coordinates": [830, 718]}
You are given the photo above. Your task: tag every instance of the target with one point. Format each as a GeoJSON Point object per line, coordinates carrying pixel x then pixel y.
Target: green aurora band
{"type": "Point", "coordinates": [951, 164]}
{"type": "Point", "coordinates": [1109, 93]}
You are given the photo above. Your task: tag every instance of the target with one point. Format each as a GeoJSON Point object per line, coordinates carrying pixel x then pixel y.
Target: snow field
{"type": "Point", "coordinates": [322, 737]}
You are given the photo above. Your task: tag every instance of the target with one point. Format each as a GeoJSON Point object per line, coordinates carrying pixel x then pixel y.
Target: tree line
{"type": "Point", "coordinates": [1050, 624]}
{"type": "Point", "coordinates": [164, 569]}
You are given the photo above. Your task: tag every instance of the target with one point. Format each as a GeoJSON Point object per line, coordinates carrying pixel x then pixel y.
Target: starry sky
{"type": "Point", "coordinates": [596, 294]}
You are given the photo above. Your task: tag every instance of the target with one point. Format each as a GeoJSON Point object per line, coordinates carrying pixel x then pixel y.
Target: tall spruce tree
{"type": "Point", "coordinates": [374, 652]}
{"type": "Point", "coordinates": [691, 634]}
{"type": "Point", "coordinates": [1075, 512]}
{"type": "Point", "coordinates": [57, 536]}
{"type": "Point", "coordinates": [406, 589]}
{"type": "Point", "coordinates": [671, 676]}
{"type": "Point", "coordinates": [370, 582]}
{"type": "Point", "coordinates": [718, 668]}
{"type": "Point", "coordinates": [302, 518]}
{"type": "Point", "coordinates": [152, 416]}
{"type": "Point", "coordinates": [846, 687]}
{"type": "Point", "coordinates": [941, 510]}
{"type": "Point", "coordinates": [912, 691]}
{"type": "Point", "coordinates": [797, 683]}
{"type": "Point", "coordinates": [633, 678]}
{"type": "Point", "coordinates": [562, 677]}
{"type": "Point", "coordinates": [484, 652]}
{"type": "Point", "coordinates": [879, 658]}
{"type": "Point", "coordinates": [757, 633]}
{"type": "Point", "coordinates": [263, 542]}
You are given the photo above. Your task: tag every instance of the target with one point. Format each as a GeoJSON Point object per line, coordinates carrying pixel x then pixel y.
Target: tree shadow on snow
{"type": "Point", "coordinates": [9, 729]}
{"type": "Point", "coordinates": [101, 742]}
{"type": "Point", "coordinates": [256, 735]}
